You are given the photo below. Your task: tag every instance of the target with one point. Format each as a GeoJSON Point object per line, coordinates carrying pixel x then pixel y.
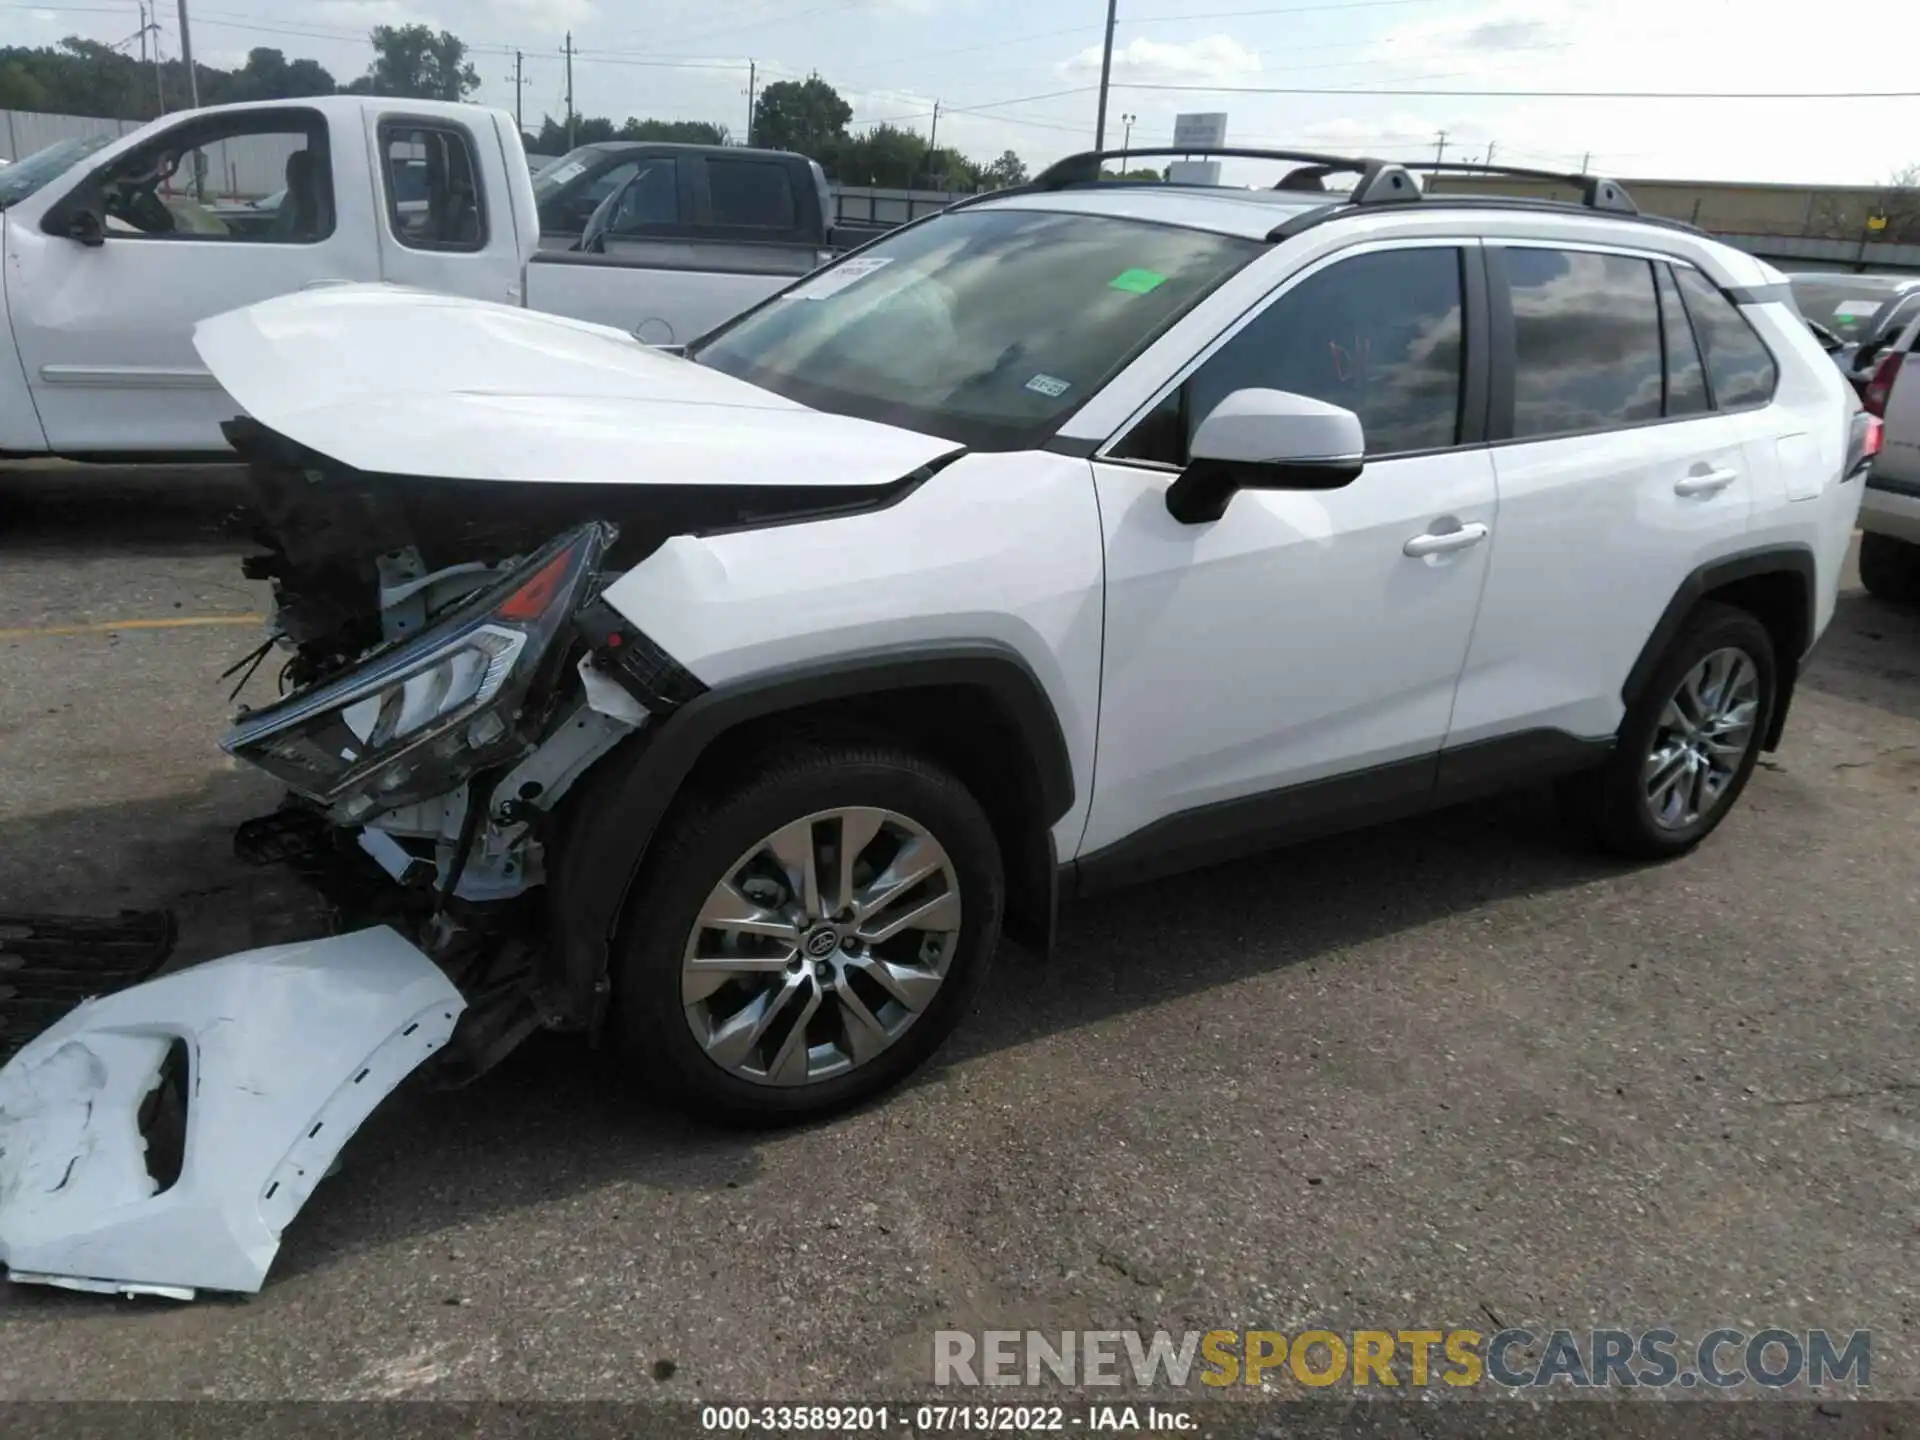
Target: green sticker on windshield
{"type": "Point", "coordinates": [1138, 282]}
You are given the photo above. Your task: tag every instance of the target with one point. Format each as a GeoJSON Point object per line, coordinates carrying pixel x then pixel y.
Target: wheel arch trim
{"type": "Point", "coordinates": [615, 828]}
{"type": "Point", "coordinates": [1795, 559]}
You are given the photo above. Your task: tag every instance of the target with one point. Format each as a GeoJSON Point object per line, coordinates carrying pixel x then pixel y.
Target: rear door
{"type": "Point", "coordinates": [105, 332]}
{"type": "Point", "coordinates": [445, 203]}
{"type": "Point", "coordinates": [1617, 476]}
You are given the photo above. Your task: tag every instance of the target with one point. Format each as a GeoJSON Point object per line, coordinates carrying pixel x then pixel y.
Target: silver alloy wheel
{"type": "Point", "coordinates": [820, 946]}
{"type": "Point", "coordinates": [1703, 736]}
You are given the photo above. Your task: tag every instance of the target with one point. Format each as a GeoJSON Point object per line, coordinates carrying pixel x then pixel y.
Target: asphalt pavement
{"type": "Point", "coordinates": [1452, 1073]}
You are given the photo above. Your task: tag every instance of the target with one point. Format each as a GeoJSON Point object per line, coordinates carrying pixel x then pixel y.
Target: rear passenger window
{"type": "Point", "coordinates": [1686, 379]}
{"type": "Point", "coordinates": [431, 182]}
{"type": "Point", "coordinates": [1379, 334]}
{"type": "Point", "coordinates": [1739, 365]}
{"type": "Point", "coordinates": [751, 194]}
{"type": "Point", "coordinates": [1587, 341]}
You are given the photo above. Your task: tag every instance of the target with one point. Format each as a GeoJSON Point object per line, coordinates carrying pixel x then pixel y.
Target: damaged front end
{"type": "Point", "coordinates": [448, 672]}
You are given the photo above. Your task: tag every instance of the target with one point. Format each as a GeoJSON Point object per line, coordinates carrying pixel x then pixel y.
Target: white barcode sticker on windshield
{"type": "Point", "coordinates": [567, 171]}
{"type": "Point", "coordinates": [1051, 386]}
{"type": "Point", "coordinates": [1851, 308]}
{"type": "Point", "coordinates": [840, 277]}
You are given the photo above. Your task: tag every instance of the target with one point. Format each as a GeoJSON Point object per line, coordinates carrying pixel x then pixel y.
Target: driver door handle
{"type": "Point", "coordinates": [1444, 541]}
{"type": "Point", "coordinates": [1705, 482]}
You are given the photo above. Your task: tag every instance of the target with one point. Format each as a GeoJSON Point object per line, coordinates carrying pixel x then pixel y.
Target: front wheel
{"type": "Point", "coordinates": [808, 935]}
{"type": "Point", "coordinates": [1689, 744]}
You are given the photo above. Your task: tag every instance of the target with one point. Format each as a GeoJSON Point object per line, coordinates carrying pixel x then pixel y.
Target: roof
{"type": "Point", "coordinates": [741, 152]}
{"type": "Point", "coordinates": [1250, 213]}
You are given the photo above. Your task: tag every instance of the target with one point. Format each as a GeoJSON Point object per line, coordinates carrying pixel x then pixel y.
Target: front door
{"type": "Point", "coordinates": [219, 212]}
{"type": "Point", "coordinates": [1299, 654]}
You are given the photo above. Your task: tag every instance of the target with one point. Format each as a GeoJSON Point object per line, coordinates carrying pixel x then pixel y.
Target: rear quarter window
{"type": "Point", "coordinates": [1740, 368]}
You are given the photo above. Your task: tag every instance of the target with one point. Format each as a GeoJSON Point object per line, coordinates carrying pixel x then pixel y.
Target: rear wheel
{"type": "Point", "coordinates": [808, 935]}
{"type": "Point", "coordinates": [1890, 568]}
{"type": "Point", "coordinates": [1689, 744]}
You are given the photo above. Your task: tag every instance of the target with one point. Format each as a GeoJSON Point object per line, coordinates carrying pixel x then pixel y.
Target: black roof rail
{"type": "Point", "coordinates": [1597, 192]}
{"type": "Point", "coordinates": [1379, 182]}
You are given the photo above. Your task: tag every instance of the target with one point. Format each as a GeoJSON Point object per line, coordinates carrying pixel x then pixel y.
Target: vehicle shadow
{"type": "Point", "coordinates": [53, 508]}
{"type": "Point", "coordinates": [555, 1120]}
{"type": "Point", "coordinates": [1870, 654]}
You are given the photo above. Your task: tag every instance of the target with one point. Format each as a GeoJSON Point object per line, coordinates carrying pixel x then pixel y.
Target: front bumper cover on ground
{"type": "Point", "coordinates": [288, 1050]}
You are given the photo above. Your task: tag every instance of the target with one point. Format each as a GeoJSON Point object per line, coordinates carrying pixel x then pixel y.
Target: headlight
{"type": "Point", "coordinates": [418, 718]}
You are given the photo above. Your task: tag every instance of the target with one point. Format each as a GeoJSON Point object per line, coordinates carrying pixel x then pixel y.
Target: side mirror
{"type": "Point", "coordinates": [593, 238]}
{"type": "Point", "coordinates": [86, 227]}
{"type": "Point", "coordinates": [1266, 440]}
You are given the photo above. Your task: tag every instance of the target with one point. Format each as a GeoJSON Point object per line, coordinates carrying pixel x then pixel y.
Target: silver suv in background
{"type": "Point", "coordinates": [1890, 508]}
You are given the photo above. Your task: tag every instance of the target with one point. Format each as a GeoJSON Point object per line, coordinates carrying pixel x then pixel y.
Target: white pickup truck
{"type": "Point", "coordinates": [115, 249]}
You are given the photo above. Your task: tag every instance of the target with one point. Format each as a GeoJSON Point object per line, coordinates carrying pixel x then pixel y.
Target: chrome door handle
{"type": "Point", "coordinates": [1708, 482]}
{"type": "Point", "coordinates": [1445, 541]}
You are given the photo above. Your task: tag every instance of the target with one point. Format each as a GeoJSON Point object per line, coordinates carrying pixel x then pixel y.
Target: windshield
{"type": "Point", "coordinates": [555, 173]}
{"type": "Point", "coordinates": [23, 177]}
{"type": "Point", "coordinates": [1844, 304]}
{"type": "Point", "coordinates": [986, 327]}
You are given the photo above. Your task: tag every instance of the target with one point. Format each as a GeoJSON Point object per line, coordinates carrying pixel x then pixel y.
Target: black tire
{"type": "Point", "coordinates": [1890, 568]}
{"type": "Point", "coordinates": [705, 834]}
{"type": "Point", "coordinates": [1609, 805]}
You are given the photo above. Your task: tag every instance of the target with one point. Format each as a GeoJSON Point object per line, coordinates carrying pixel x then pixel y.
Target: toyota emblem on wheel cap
{"type": "Point", "coordinates": [823, 942]}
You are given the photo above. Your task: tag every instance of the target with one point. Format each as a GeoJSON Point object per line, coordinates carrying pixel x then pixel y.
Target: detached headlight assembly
{"type": "Point", "coordinates": [418, 718]}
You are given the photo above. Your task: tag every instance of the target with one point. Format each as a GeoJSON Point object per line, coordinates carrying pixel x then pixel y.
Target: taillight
{"type": "Point", "coordinates": [1864, 434]}
{"type": "Point", "coordinates": [1876, 431]}
{"type": "Point", "coordinates": [1881, 385]}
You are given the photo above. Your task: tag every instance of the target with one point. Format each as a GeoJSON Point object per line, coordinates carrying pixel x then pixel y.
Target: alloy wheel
{"type": "Point", "coordinates": [1702, 739]}
{"type": "Point", "coordinates": [821, 946]}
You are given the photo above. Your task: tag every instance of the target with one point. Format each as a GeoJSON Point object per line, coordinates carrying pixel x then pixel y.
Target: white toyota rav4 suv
{"type": "Point", "coordinates": [733, 702]}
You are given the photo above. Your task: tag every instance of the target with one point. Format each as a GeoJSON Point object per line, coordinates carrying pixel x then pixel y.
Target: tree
{"type": "Point", "coordinates": [412, 60]}
{"type": "Point", "coordinates": [804, 115]}
{"type": "Point", "coordinates": [84, 77]}
{"type": "Point", "coordinates": [678, 132]}
{"type": "Point", "coordinates": [1009, 170]}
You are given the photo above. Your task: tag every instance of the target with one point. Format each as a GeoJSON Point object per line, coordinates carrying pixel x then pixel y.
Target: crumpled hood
{"type": "Point", "coordinates": [409, 382]}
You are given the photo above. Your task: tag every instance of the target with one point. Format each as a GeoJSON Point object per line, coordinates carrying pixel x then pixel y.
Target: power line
{"type": "Point", "coordinates": [1529, 94]}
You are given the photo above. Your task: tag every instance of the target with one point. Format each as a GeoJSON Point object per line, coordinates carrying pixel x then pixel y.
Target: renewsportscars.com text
{"type": "Point", "coordinates": [1723, 1359]}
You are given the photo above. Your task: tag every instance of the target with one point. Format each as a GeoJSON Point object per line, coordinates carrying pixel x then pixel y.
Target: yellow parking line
{"type": "Point", "coordinates": [178, 622]}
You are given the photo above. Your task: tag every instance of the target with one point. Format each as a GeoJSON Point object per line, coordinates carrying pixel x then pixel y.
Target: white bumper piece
{"type": "Point", "coordinates": [288, 1051]}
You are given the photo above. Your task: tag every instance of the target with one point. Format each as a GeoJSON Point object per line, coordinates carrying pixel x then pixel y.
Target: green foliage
{"type": "Point", "coordinates": [1009, 170]}
{"type": "Point", "coordinates": [84, 77]}
{"type": "Point", "coordinates": [804, 115]}
{"type": "Point", "coordinates": [414, 61]}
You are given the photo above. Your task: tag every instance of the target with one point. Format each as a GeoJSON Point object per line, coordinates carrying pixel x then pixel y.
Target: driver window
{"type": "Point", "coordinates": [1378, 334]}
{"type": "Point", "coordinates": [266, 180]}
{"type": "Point", "coordinates": [654, 199]}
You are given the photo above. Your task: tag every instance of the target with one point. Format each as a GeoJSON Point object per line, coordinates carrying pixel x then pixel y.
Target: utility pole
{"type": "Point", "coordinates": [186, 59]}
{"type": "Point", "coordinates": [519, 92]}
{"type": "Point", "coordinates": [1489, 152]}
{"type": "Point", "coordinates": [569, 87]}
{"type": "Point", "coordinates": [1586, 160]}
{"type": "Point", "coordinates": [933, 142]}
{"type": "Point", "coordinates": [1439, 154]}
{"type": "Point", "coordinates": [147, 24]}
{"type": "Point", "coordinates": [1126, 141]}
{"type": "Point", "coordinates": [753, 80]}
{"type": "Point", "coordinates": [1106, 76]}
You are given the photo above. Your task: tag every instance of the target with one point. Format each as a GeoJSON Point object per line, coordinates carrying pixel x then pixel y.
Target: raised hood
{"type": "Point", "coordinates": [407, 382]}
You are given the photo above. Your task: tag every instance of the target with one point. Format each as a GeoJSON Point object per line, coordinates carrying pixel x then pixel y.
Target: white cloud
{"type": "Point", "coordinates": [1219, 58]}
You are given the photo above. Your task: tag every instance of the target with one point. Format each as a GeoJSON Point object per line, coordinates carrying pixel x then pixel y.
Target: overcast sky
{"type": "Point", "coordinates": [1000, 67]}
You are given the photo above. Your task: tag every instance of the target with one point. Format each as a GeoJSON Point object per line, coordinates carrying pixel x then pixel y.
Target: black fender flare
{"type": "Point", "coordinates": [1788, 559]}
{"type": "Point", "coordinates": [609, 834]}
